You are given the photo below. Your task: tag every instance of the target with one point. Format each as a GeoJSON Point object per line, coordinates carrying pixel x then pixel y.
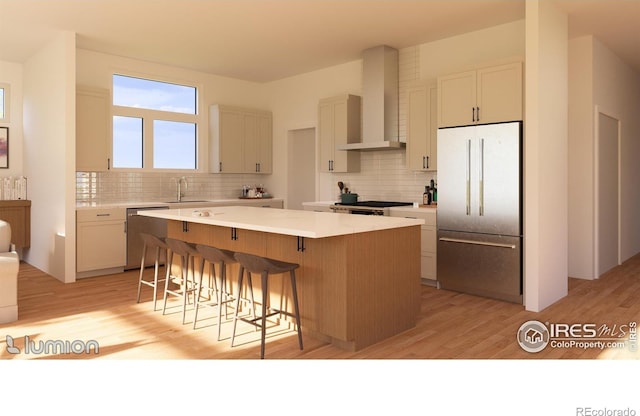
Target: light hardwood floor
{"type": "Point", "coordinates": [450, 325]}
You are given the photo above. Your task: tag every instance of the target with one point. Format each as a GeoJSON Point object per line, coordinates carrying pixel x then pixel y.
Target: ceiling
{"type": "Point", "coordinates": [266, 40]}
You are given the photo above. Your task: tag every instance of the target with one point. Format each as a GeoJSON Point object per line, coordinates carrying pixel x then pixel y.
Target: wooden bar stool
{"type": "Point", "coordinates": [151, 242]}
{"type": "Point", "coordinates": [266, 267]}
{"type": "Point", "coordinates": [187, 253]}
{"type": "Point", "coordinates": [215, 256]}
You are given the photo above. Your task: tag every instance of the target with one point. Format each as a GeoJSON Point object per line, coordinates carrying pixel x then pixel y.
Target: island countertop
{"type": "Point", "coordinates": [359, 275]}
{"type": "Point", "coordinates": [284, 221]}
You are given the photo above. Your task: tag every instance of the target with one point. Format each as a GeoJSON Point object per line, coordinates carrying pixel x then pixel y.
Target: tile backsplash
{"type": "Point", "coordinates": [383, 176]}
{"type": "Point", "coordinates": [109, 187]}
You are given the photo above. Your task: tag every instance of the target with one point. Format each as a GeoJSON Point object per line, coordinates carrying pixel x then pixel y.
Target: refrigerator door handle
{"type": "Point", "coordinates": [468, 196]}
{"type": "Point", "coordinates": [477, 243]}
{"type": "Point", "coordinates": [481, 180]}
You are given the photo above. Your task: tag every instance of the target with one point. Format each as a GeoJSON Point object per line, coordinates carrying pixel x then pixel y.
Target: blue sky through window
{"type": "Point", "coordinates": [153, 95]}
{"type": "Point", "coordinates": [174, 145]}
{"type": "Point", "coordinates": [2, 104]}
{"type": "Point", "coordinates": [172, 134]}
{"type": "Point", "coordinates": [127, 142]}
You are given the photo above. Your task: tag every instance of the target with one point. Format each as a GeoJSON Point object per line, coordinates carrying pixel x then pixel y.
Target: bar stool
{"type": "Point", "coordinates": [213, 256]}
{"type": "Point", "coordinates": [187, 253]}
{"type": "Point", "coordinates": [151, 242]}
{"type": "Point", "coordinates": [266, 267]}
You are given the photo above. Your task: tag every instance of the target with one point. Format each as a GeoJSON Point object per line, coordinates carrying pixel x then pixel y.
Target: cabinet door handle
{"type": "Point", "coordinates": [481, 179]}
{"type": "Point", "coordinates": [423, 162]}
{"type": "Point", "coordinates": [108, 163]}
{"type": "Point", "coordinates": [301, 246]}
{"type": "Point", "coordinates": [468, 168]}
{"type": "Point", "coordinates": [427, 162]}
{"type": "Point", "coordinates": [473, 114]}
{"type": "Point", "coordinates": [477, 113]}
{"type": "Point", "coordinates": [220, 167]}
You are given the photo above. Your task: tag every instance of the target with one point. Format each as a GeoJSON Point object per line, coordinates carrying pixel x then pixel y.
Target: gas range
{"type": "Point", "coordinates": [367, 207]}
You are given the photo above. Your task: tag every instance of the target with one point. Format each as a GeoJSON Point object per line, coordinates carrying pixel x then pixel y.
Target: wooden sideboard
{"type": "Point", "coordinates": [18, 215]}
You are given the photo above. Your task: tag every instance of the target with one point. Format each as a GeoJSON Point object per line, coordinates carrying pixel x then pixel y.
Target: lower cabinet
{"type": "Point", "coordinates": [18, 214]}
{"type": "Point", "coordinates": [101, 243]}
{"type": "Point", "coordinates": [428, 239]}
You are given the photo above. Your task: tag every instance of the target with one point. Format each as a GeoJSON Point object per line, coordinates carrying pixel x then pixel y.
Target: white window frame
{"type": "Point", "coordinates": [6, 102]}
{"type": "Point", "coordinates": [148, 116]}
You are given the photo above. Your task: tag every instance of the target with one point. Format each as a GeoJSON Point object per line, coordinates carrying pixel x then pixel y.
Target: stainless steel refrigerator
{"type": "Point", "coordinates": [480, 210]}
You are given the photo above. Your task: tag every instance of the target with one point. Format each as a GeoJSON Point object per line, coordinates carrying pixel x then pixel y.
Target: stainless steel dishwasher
{"type": "Point", "coordinates": [137, 224]}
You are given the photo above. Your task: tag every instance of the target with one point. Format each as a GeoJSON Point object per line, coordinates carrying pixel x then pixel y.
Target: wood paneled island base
{"type": "Point", "coordinates": [354, 289]}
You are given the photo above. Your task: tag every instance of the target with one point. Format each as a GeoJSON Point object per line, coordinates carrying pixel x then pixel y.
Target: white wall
{"type": "Point", "coordinates": [383, 173]}
{"type": "Point", "coordinates": [11, 73]}
{"type": "Point", "coordinates": [466, 51]}
{"type": "Point", "coordinates": [294, 102]}
{"type": "Point", "coordinates": [546, 155]}
{"type": "Point", "coordinates": [581, 159]}
{"type": "Point", "coordinates": [617, 89]}
{"type": "Point", "coordinates": [49, 133]}
{"type": "Point", "coordinates": [95, 69]}
{"type": "Point", "coordinates": [600, 78]}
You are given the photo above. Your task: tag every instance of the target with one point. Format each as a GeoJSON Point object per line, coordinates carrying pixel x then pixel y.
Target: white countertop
{"type": "Point", "coordinates": [185, 203]}
{"type": "Point", "coordinates": [411, 209]}
{"type": "Point", "coordinates": [319, 203]}
{"type": "Point", "coordinates": [285, 221]}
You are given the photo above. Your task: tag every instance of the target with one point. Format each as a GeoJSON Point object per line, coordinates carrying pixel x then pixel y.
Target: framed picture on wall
{"type": "Point", "coordinates": [4, 147]}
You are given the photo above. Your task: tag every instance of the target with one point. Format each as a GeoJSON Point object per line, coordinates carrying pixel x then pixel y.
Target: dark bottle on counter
{"type": "Point", "coordinates": [434, 190]}
{"type": "Point", "coordinates": [426, 196]}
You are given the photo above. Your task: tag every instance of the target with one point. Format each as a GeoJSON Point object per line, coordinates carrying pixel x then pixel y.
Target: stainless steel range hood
{"type": "Point", "coordinates": [380, 101]}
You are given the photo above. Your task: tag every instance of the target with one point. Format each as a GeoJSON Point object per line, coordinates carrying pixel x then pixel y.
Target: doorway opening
{"type": "Point", "coordinates": [607, 192]}
{"type": "Point", "coordinates": [301, 175]}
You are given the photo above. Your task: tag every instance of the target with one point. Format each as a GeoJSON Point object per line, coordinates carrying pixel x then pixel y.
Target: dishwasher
{"type": "Point", "coordinates": [137, 224]}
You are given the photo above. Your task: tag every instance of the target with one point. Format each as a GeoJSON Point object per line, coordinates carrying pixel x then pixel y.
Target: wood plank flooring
{"type": "Point", "coordinates": [450, 325]}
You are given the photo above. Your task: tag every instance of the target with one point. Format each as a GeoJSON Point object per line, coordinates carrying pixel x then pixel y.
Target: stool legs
{"type": "Point", "coordinates": [184, 282]}
{"type": "Point", "coordinates": [212, 289]}
{"type": "Point", "coordinates": [239, 298]}
{"type": "Point", "coordinates": [266, 309]}
{"type": "Point", "coordinates": [296, 309]}
{"type": "Point", "coordinates": [155, 281]}
{"type": "Point", "coordinates": [265, 299]}
{"type": "Point", "coordinates": [144, 254]}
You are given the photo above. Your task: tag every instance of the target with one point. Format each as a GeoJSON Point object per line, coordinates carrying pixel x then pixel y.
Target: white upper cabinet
{"type": "Point", "coordinates": [338, 123]}
{"type": "Point", "coordinates": [486, 95]}
{"type": "Point", "coordinates": [422, 126]}
{"type": "Point", "coordinates": [93, 130]}
{"type": "Point", "coordinates": [241, 140]}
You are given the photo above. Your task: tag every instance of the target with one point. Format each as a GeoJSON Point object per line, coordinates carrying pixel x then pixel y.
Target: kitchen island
{"type": "Point", "coordinates": [359, 276]}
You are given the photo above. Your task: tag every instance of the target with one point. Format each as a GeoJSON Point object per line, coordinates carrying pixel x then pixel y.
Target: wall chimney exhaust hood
{"type": "Point", "coordinates": [379, 101]}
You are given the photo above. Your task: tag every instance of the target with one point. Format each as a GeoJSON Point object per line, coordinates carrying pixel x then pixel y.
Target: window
{"type": "Point", "coordinates": [154, 124]}
{"type": "Point", "coordinates": [4, 102]}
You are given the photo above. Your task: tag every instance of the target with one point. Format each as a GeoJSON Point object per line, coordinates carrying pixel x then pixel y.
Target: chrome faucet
{"type": "Point", "coordinates": [179, 186]}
